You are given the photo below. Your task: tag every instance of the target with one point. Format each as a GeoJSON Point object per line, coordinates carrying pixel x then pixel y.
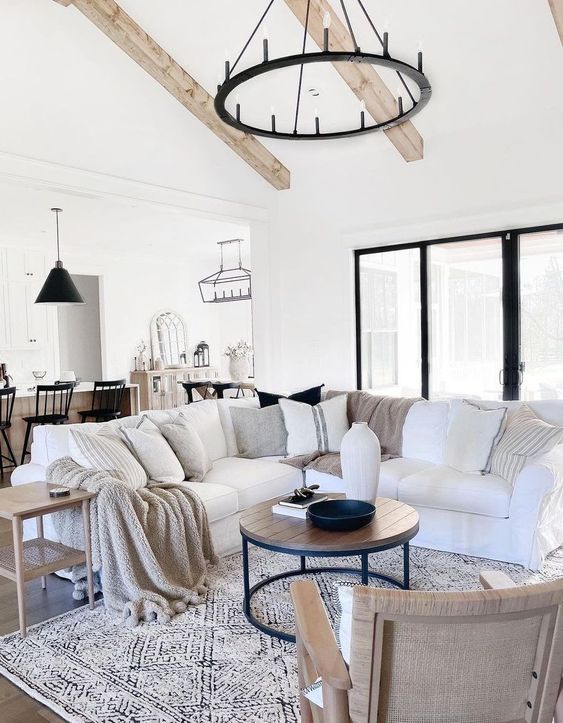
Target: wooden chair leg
{"type": "Point", "coordinates": [304, 703]}
{"type": "Point", "coordinates": [26, 442]}
{"type": "Point", "coordinates": [9, 446]}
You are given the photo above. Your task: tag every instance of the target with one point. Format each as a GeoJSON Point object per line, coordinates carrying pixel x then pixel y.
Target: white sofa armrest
{"type": "Point", "coordinates": [536, 507]}
{"type": "Point", "coordinates": [26, 473]}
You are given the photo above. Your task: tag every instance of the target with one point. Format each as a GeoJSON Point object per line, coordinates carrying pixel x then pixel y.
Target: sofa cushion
{"type": "Point", "coordinates": [444, 488]}
{"type": "Point", "coordinates": [255, 480]}
{"type": "Point", "coordinates": [219, 500]}
{"type": "Point", "coordinates": [224, 406]}
{"type": "Point", "coordinates": [394, 470]}
{"type": "Point", "coordinates": [391, 473]}
{"type": "Point", "coordinates": [425, 431]}
{"type": "Point", "coordinates": [204, 416]}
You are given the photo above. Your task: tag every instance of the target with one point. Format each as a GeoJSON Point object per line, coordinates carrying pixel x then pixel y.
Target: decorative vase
{"type": "Point", "coordinates": [360, 455]}
{"type": "Point", "coordinates": [239, 369]}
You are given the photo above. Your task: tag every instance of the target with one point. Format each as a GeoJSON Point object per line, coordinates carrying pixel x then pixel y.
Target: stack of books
{"type": "Point", "coordinates": [297, 509]}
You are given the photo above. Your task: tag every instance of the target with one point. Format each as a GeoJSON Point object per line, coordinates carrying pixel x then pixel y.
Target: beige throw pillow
{"type": "Point", "coordinates": [153, 451]}
{"type": "Point", "coordinates": [526, 436]}
{"type": "Point", "coordinates": [106, 452]}
{"type": "Point", "coordinates": [188, 447]}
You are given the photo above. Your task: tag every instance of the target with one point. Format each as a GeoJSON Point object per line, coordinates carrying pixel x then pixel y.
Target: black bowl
{"type": "Point", "coordinates": [340, 515]}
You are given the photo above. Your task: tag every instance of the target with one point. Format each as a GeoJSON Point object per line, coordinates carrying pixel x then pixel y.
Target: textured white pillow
{"type": "Point", "coordinates": [471, 436]}
{"type": "Point", "coordinates": [189, 448]}
{"type": "Point", "coordinates": [106, 452]}
{"type": "Point", "coordinates": [204, 417]}
{"type": "Point", "coordinates": [425, 430]}
{"type": "Point", "coordinates": [315, 428]}
{"type": "Point", "coordinates": [153, 451]}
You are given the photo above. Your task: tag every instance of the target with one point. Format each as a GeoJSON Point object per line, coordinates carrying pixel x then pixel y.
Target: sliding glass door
{"type": "Point", "coordinates": [478, 316]}
{"type": "Point", "coordinates": [541, 318]}
{"type": "Point", "coordinates": [465, 319]}
{"type": "Point", "coordinates": [390, 322]}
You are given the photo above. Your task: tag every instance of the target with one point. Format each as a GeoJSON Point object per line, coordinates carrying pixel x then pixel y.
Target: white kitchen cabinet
{"type": "Point", "coordinates": [23, 325]}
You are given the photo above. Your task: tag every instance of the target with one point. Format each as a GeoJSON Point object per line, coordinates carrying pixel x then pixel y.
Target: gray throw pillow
{"type": "Point", "coordinates": [259, 432]}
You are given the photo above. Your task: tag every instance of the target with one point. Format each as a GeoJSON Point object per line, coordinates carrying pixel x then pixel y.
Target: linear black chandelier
{"type": "Point", "coordinates": [405, 110]}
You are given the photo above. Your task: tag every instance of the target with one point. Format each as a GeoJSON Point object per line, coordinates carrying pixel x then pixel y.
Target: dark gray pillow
{"type": "Point", "coordinates": [259, 432]}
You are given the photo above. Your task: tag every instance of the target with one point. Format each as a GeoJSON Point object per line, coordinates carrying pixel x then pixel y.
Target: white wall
{"type": "Point", "coordinates": [80, 347]}
{"type": "Point", "coordinates": [508, 180]}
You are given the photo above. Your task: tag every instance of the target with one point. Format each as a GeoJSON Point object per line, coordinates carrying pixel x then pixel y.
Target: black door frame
{"type": "Point", "coordinates": [511, 373]}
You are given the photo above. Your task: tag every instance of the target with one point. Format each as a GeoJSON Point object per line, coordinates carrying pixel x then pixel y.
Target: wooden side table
{"type": "Point", "coordinates": [23, 561]}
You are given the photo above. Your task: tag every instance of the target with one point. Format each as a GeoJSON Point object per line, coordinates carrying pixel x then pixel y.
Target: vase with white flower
{"type": "Point", "coordinates": [239, 355]}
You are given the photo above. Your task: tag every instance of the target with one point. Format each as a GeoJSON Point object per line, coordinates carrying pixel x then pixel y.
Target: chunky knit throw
{"type": "Point", "coordinates": [152, 546]}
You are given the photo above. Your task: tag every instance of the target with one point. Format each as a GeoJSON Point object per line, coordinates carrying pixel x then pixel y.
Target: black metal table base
{"type": "Point", "coordinates": [363, 571]}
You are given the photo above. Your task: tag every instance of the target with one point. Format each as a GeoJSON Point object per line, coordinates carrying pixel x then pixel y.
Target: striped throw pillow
{"type": "Point", "coordinates": [106, 452]}
{"type": "Point", "coordinates": [526, 436]}
{"type": "Point", "coordinates": [311, 429]}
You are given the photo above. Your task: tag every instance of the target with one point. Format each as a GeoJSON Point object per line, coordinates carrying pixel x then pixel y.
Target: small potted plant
{"type": "Point", "coordinates": [239, 360]}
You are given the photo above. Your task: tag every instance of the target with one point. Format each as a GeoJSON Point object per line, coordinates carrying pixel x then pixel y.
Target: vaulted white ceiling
{"type": "Point", "coordinates": [69, 96]}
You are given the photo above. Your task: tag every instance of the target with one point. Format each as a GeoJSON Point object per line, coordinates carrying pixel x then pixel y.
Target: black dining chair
{"type": "Point", "coordinates": [52, 402]}
{"type": "Point", "coordinates": [7, 397]}
{"type": "Point", "coordinates": [106, 401]}
{"type": "Point", "coordinates": [201, 386]}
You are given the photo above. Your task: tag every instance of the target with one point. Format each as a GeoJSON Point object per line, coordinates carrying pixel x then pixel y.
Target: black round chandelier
{"type": "Point", "coordinates": [405, 107]}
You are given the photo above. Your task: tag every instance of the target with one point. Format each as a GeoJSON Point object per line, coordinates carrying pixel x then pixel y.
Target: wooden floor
{"type": "Point", "coordinates": [16, 706]}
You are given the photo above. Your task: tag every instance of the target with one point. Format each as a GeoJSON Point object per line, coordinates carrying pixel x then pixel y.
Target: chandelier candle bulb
{"type": "Point", "coordinates": [227, 69]}
{"type": "Point", "coordinates": [420, 61]}
{"type": "Point", "coordinates": [238, 112]}
{"type": "Point", "coordinates": [400, 105]}
{"type": "Point", "coordinates": [324, 55]}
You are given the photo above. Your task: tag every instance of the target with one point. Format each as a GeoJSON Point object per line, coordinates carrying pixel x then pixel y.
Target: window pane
{"type": "Point", "coordinates": [466, 319]}
{"type": "Point", "coordinates": [390, 322]}
{"type": "Point", "coordinates": [541, 293]}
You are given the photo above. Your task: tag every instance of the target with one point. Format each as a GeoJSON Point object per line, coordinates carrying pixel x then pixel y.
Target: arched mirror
{"type": "Point", "coordinates": [169, 339]}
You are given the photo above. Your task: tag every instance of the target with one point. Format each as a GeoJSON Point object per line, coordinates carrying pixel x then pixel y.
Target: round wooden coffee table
{"type": "Point", "coordinates": [394, 525]}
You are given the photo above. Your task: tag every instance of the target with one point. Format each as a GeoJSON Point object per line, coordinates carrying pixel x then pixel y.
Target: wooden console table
{"type": "Point", "coordinates": [22, 561]}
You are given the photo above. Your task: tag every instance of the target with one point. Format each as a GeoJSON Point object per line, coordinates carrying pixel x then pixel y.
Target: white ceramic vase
{"type": "Point", "coordinates": [360, 455]}
{"type": "Point", "coordinates": [239, 369]}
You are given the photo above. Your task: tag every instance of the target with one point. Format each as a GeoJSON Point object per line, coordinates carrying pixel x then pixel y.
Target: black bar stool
{"type": "Point", "coordinates": [106, 401]}
{"type": "Point", "coordinates": [52, 402]}
{"type": "Point", "coordinates": [7, 397]}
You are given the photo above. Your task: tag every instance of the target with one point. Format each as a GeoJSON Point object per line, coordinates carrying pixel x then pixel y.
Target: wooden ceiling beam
{"type": "Point", "coordinates": [557, 11]}
{"type": "Point", "coordinates": [364, 81]}
{"type": "Point", "coordinates": [133, 40]}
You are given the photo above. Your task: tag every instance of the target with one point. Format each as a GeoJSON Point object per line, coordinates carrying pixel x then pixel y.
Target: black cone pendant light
{"type": "Point", "coordinates": [59, 288]}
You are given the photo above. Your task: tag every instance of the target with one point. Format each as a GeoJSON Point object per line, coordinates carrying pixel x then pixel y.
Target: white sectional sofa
{"type": "Point", "coordinates": [473, 514]}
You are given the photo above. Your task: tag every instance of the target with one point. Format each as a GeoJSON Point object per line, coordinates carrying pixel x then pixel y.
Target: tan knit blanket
{"type": "Point", "coordinates": [152, 545]}
{"type": "Point", "coordinates": [384, 415]}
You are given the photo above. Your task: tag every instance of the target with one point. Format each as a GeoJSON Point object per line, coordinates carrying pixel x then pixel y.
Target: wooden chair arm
{"type": "Point", "coordinates": [495, 580]}
{"type": "Point", "coordinates": [316, 635]}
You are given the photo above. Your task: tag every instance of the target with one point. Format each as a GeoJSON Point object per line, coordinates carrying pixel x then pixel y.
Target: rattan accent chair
{"type": "Point", "coordinates": [490, 656]}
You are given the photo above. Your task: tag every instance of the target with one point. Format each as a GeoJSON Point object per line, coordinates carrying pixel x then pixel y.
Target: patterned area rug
{"type": "Point", "coordinates": [208, 665]}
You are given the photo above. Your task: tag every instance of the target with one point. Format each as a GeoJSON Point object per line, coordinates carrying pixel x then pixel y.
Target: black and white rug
{"type": "Point", "coordinates": [208, 665]}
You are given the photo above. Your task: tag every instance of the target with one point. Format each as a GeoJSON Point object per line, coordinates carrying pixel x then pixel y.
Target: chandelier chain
{"type": "Point", "coordinates": [256, 29]}
{"type": "Point", "coordinates": [298, 103]}
{"type": "Point", "coordinates": [350, 29]}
